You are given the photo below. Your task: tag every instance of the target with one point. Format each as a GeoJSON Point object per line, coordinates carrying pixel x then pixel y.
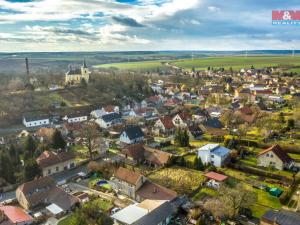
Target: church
{"type": "Point", "coordinates": [76, 75]}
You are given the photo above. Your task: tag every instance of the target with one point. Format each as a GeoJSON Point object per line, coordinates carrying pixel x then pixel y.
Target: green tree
{"type": "Point", "coordinates": [291, 123]}
{"type": "Point", "coordinates": [57, 140]}
{"type": "Point", "coordinates": [31, 169]}
{"type": "Point", "coordinates": [7, 168]}
{"type": "Point", "coordinates": [30, 147]}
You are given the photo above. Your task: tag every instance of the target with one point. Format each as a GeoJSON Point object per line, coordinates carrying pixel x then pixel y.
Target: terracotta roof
{"type": "Point", "coordinates": [167, 122]}
{"type": "Point", "coordinates": [72, 126]}
{"type": "Point", "coordinates": [154, 191]}
{"type": "Point", "coordinates": [15, 214]}
{"type": "Point", "coordinates": [127, 175]}
{"type": "Point", "coordinates": [216, 176]}
{"type": "Point", "coordinates": [277, 150]}
{"type": "Point", "coordinates": [267, 91]}
{"type": "Point", "coordinates": [109, 108]}
{"type": "Point", "coordinates": [48, 158]}
{"type": "Point", "coordinates": [45, 132]}
{"type": "Point", "coordinates": [134, 151]}
{"type": "Point", "coordinates": [184, 116]}
{"type": "Point", "coordinates": [157, 157]}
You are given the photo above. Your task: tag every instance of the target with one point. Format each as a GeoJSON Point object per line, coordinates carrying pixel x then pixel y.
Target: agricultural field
{"type": "Point", "coordinates": [142, 65]}
{"type": "Point", "coordinates": [237, 62]}
{"type": "Point", "coordinates": [183, 181]}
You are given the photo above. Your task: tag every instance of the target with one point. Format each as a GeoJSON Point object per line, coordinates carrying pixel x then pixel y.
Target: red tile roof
{"type": "Point", "coordinates": [277, 150]}
{"type": "Point", "coordinates": [167, 122]}
{"type": "Point", "coordinates": [48, 158]}
{"type": "Point", "coordinates": [127, 175]}
{"type": "Point", "coordinates": [15, 214]}
{"type": "Point", "coordinates": [216, 176]}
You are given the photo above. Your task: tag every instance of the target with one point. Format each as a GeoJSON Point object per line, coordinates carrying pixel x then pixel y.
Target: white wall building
{"type": "Point", "coordinates": [214, 154]}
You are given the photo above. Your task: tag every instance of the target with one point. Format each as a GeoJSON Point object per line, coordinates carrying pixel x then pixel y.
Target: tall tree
{"type": "Point", "coordinates": [31, 169]}
{"type": "Point", "coordinates": [90, 134]}
{"type": "Point", "coordinates": [57, 140]}
{"type": "Point", "coordinates": [7, 168]}
{"type": "Point", "coordinates": [30, 147]}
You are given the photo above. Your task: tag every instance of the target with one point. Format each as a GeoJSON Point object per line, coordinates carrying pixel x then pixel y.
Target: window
{"type": "Point", "coordinates": [57, 169]}
{"type": "Point", "coordinates": [267, 155]}
{"type": "Point", "coordinates": [271, 155]}
{"type": "Point", "coordinates": [49, 171]}
{"type": "Point", "coordinates": [212, 156]}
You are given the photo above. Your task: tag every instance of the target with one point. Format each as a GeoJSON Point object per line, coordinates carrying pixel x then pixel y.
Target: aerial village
{"type": "Point", "coordinates": [204, 147]}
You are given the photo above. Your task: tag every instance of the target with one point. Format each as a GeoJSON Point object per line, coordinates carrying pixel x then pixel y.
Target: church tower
{"type": "Point", "coordinates": [85, 73]}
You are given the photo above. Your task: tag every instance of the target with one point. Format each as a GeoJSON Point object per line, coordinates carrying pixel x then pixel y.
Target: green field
{"type": "Point", "coordinates": [143, 65]}
{"type": "Point", "coordinates": [237, 62]}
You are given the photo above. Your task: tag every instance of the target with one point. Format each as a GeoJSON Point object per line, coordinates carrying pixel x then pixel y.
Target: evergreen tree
{"type": "Point", "coordinates": [57, 140]}
{"type": "Point", "coordinates": [31, 170]}
{"type": "Point", "coordinates": [200, 165]}
{"type": "Point", "coordinates": [30, 147]}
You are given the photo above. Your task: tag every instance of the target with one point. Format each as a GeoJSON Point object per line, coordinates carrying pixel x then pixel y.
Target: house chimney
{"type": "Point", "coordinates": [27, 67]}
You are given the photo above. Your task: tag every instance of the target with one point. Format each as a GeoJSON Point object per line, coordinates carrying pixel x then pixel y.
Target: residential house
{"type": "Point", "coordinates": [110, 109]}
{"type": "Point", "coordinates": [164, 126]}
{"type": "Point", "coordinates": [132, 135]}
{"type": "Point", "coordinates": [275, 157]}
{"type": "Point", "coordinates": [155, 157]}
{"type": "Point", "coordinates": [43, 192]}
{"type": "Point", "coordinates": [246, 114]}
{"type": "Point", "coordinates": [52, 162]}
{"type": "Point", "coordinates": [44, 134]}
{"type": "Point", "coordinates": [213, 126]}
{"type": "Point", "coordinates": [133, 154]}
{"type": "Point", "coordinates": [126, 182]}
{"type": "Point", "coordinates": [195, 132]}
{"type": "Point", "coordinates": [213, 154]}
{"type": "Point", "coordinates": [148, 212]}
{"type": "Point", "coordinates": [109, 120]}
{"type": "Point", "coordinates": [13, 215]}
{"type": "Point", "coordinates": [36, 120]}
{"type": "Point", "coordinates": [137, 187]}
{"type": "Point", "coordinates": [215, 180]}
{"type": "Point", "coordinates": [182, 119]}
{"type": "Point", "coordinates": [72, 129]}
{"type": "Point", "coordinates": [281, 217]}
{"type": "Point", "coordinates": [76, 117]}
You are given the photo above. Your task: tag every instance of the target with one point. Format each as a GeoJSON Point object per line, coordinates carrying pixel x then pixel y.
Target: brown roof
{"type": "Point", "coordinates": [167, 122]}
{"type": "Point", "coordinates": [127, 175]}
{"type": "Point", "coordinates": [48, 158]}
{"type": "Point", "coordinates": [134, 151]}
{"type": "Point", "coordinates": [185, 116]}
{"type": "Point", "coordinates": [109, 108]}
{"type": "Point", "coordinates": [216, 176]}
{"type": "Point", "coordinates": [72, 126]}
{"type": "Point", "coordinates": [36, 184]}
{"type": "Point", "coordinates": [154, 191]}
{"type": "Point", "coordinates": [277, 150]}
{"type": "Point", "coordinates": [45, 132]}
{"type": "Point", "coordinates": [156, 156]}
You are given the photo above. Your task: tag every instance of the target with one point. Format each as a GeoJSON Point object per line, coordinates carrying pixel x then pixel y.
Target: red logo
{"type": "Point", "coordinates": [286, 15]}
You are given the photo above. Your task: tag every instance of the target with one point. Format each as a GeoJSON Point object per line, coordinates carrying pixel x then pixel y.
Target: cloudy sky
{"type": "Point", "coordinates": [120, 25]}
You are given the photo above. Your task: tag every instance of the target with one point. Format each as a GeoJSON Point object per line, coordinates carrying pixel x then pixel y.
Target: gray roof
{"type": "Point", "coordinates": [157, 215]}
{"type": "Point", "coordinates": [74, 72]}
{"type": "Point", "coordinates": [134, 132]}
{"type": "Point", "coordinates": [33, 116]}
{"type": "Point", "coordinates": [111, 116]}
{"type": "Point", "coordinates": [282, 217]}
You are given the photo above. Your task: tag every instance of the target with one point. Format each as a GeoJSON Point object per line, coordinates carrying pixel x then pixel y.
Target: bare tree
{"type": "Point", "coordinates": [90, 135]}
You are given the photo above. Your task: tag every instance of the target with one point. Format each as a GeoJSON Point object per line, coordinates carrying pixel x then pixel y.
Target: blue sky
{"type": "Point", "coordinates": [121, 25]}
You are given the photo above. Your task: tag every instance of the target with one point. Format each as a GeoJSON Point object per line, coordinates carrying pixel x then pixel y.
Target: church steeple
{"type": "Point", "coordinates": [84, 64]}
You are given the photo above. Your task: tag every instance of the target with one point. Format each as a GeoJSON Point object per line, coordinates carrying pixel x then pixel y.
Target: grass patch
{"type": "Point", "coordinates": [294, 156]}
{"type": "Point", "coordinates": [65, 221]}
{"type": "Point", "coordinates": [103, 204]}
{"type": "Point", "coordinates": [182, 180]}
{"type": "Point", "coordinates": [205, 192]}
{"type": "Point", "coordinates": [142, 65]}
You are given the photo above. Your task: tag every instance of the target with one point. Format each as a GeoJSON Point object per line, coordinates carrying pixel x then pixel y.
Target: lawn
{"type": "Point", "coordinates": [142, 65]}
{"type": "Point", "coordinates": [250, 161]}
{"type": "Point", "coordinates": [176, 150]}
{"type": "Point", "coordinates": [237, 62]}
{"type": "Point", "coordinates": [205, 192]}
{"type": "Point", "coordinates": [103, 204]}
{"type": "Point", "coordinates": [181, 180]}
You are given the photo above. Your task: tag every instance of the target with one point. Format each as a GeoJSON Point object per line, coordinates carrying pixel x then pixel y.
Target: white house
{"type": "Point", "coordinates": [35, 121]}
{"type": "Point", "coordinates": [214, 154]}
{"type": "Point", "coordinates": [76, 117]}
{"type": "Point", "coordinates": [132, 135]}
{"type": "Point", "coordinates": [109, 120]}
